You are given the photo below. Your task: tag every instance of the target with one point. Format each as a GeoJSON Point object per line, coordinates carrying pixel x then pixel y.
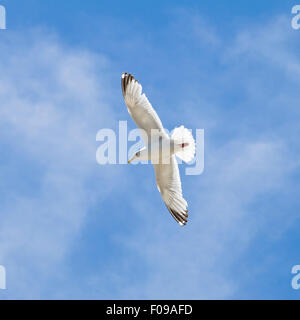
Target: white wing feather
{"type": "Point", "coordinates": [140, 108]}
{"type": "Point", "coordinates": [169, 185]}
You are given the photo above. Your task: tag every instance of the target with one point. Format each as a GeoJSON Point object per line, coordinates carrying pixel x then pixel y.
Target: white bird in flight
{"type": "Point", "coordinates": [159, 147]}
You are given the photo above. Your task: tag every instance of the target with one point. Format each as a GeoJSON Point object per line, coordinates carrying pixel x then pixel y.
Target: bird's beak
{"type": "Point", "coordinates": [130, 160]}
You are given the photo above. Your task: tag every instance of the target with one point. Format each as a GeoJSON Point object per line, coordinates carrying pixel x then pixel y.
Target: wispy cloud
{"type": "Point", "coordinates": [53, 100]}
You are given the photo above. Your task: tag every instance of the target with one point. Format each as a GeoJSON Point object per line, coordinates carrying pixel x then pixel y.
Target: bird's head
{"type": "Point", "coordinates": [135, 157]}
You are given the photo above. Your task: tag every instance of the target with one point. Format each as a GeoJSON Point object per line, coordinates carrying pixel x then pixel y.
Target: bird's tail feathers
{"type": "Point", "coordinates": [185, 143]}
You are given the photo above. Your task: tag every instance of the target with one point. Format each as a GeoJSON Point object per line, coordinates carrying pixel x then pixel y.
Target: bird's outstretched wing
{"type": "Point", "coordinates": [169, 185]}
{"type": "Point", "coordinates": [140, 108]}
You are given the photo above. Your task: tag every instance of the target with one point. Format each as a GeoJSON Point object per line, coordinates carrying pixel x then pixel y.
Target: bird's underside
{"type": "Point", "coordinates": [167, 175]}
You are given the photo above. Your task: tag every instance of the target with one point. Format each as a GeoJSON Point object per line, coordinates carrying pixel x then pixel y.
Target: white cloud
{"type": "Point", "coordinates": [53, 101]}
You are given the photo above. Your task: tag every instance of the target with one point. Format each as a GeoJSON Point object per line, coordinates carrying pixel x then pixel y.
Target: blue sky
{"type": "Point", "coordinates": [71, 228]}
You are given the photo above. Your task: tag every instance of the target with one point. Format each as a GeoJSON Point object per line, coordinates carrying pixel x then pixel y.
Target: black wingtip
{"type": "Point", "coordinates": [124, 75]}
{"type": "Point", "coordinates": [182, 220]}
{"type": "Point", "coordinates": [125, 80]}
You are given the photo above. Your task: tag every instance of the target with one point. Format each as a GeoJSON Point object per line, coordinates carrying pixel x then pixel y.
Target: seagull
{"type": "Point", "coordinates": [159, 148]}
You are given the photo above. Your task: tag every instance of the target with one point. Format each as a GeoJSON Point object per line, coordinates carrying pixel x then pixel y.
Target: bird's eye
{"type": "Point", "coordinates": [138, 154]}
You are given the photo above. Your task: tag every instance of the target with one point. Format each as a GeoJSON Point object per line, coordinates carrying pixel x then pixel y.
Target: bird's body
{"type": "Point", "coordinates": [159, 148]}
{"type": "Point", "coordinates": [157, 151]}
